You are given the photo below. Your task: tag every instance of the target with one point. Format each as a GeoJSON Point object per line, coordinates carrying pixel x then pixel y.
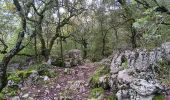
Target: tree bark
{"type": "Point", "coordinates": [3, 77]}
{"type": "Point", "coordinates": [104, 44]}
{"type": "Point", "coordinates": [133, 37]}
{"type": "Point", "coordinates": [84, 49]}
{"type": "Point", "coordinates": [18, 47]}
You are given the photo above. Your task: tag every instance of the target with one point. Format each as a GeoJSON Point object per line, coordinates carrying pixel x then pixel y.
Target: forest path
{"type": "Point", "coordinates": [71, 83]}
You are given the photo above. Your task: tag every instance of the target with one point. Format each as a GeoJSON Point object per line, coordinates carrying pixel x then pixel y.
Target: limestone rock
{"type": "Point", "coordinates": [15, 98]}
{"type": "Point", "coordinates": [134, 73]}
{"type": "Point", "coordinates": [73, 58]}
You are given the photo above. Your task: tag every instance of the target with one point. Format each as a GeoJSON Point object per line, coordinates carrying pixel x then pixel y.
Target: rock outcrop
{"type": "Point", "coordinates": [134, 74]}
{"type": "Point", "coordinates": [73, 58]}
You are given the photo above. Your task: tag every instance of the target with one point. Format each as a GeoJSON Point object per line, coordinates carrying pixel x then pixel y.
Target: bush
{"type": "Point", "coordinates": [1, 96]}
{"type": "Point", "coordinates": [10, 91]}
{"type": "Point", "coordinates": [44, 70]}
{"type": "Point", "coordinates": [96, 92]}
{"type": "Point", "coordinates": [158, 97]}
{"type": "Point", "coordinates": [94, 79]}
{"type": "Point", "coordinates": [111, 97]}
{"type": "Point", "coordinates": [163, 71]}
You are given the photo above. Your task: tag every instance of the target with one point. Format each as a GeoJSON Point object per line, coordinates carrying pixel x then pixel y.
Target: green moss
{"type": "Point", "coordinates": [158, 97]}
{"type": "Point", "coordinates": [111, 97]}
{"type": "Point", "coordinates": [44, 70]}
{"type": "Point", "coordinates": [19, 75]}
{"type": "Point", "coordinates": [38, 66]}
{"type": "Point", "coordinates": [58, 63]}
{"type": "Point", "coordinates": [94, 79]}
{"type": "Point", "coordinates": [14, 77]}
{"type": "Point", "coordinates": [96, 92]}
{"type": "Point", "coordinates": [125, 65]}
{"type": "Point", "coordinates": [47, 72]}
{"type": "Point", "coordinates": [24, 73]}
{"type": "Point", "coordinates": [92, 99]}
{"type": "Point", "coordinates": [10, 91]}
{"type": "Point", "coordinates": [164, 71]}
{"type": "Point", "coordinates": [1, 96]}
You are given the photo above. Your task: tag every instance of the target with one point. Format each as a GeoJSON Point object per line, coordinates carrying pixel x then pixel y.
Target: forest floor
{"type": "Point", "coordinates": [70, 84]}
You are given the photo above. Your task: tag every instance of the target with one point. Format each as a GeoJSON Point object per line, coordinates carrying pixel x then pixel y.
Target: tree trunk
{"type": "Point", "coordinates": [84, 49]}
{"type": "Point", "coordinates": [104, 44]}
{"type": "Point", "coordinates": [46, 53]}
{"type": "Point", "coordinates": [3, 77]}
{"type": "Point", "coordinates": [35, 48]}
{"type": "Point", "coordinates": [133, 37]}
{"type": "Point", "coordinates": [18, 47]}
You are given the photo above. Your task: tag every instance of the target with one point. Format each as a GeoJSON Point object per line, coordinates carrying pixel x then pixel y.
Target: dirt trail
{"type": "Point", "coordinates": [71, 83]}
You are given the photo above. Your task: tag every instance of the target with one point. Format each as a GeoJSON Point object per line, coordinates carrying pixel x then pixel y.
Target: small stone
{"type": "Point", "coordinates": [58, 86]}
{"type": "Point", "coordinates": [82, 89]}
{"type": "Point", "coordinates": [30, 98]}
{"type": "Point", "coordinates": [15, 98]}
{"type": "Point", "coordinates": [25, 95]}
{"type": "Point", "coordinates": [46, 78]}
{"type": "Point", "coordinates": [56, 98]}
{"type": "Point", "coordinates": [47, 91]}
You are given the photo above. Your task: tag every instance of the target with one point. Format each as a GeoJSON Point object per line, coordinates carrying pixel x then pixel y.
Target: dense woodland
{"type": "Point", "coordinates": [37, 35]}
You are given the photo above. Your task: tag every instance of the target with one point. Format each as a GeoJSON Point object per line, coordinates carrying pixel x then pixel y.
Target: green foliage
{"type": "Point", "coordinates": [58, 63]}
{"type": "Point", "coordinates": [111, 97]}
{"type": "Point", "coordinates": [19, 75]}
{"type": "Point", "coordinates": [1, 96]}
{"type": "Point", "coordinates": [92, 99]}
{"type": "Point", "coordinates": [140, 22]}
{"type": "Point", "coordinates": [125, 64]}
{"type": "Point", "coordinates": [14, 77]}
{"type": "Point", "coordinates": [96, 92]}
{"type": "Point", "coordinates": [94, 79]}
{"type": "Point", "coordinates": [164, 72]}
{"type": "Point", "coordinates": [24, 73]}
{"type": "Point", "coordinates": [10, 91]}
{"type": "Point", "coordinates": [158, 97]}
{"type": "Point", "coordinates": [47, 72]}
{"type": "Point", "coordinates": [44, 70]}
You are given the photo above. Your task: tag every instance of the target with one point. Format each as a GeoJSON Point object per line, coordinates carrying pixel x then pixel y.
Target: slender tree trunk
{"type": "Point", "coordinates": [129, 15]}
{"type": "Point", "coordinates": [117, 38]}
{"type": "Point", "coordinates": [84, 49]}
{"type": "Point", "coordinates": [35, 48]}
{"type": "Point", "coordinates": [133, 37]}
{"type": "Point", "coordinates": [104, 44]}
{"type": "Point", "coordinates": [18, 47]}
{"type": "Point", "coordinates": [3, 68]}
{"type": "Point", "coordinates": [61, 51]}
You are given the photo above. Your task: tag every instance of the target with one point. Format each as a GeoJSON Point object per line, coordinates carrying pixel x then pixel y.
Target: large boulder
{"type": "Point", "coordinates": [73, 58]}
{"type": "Point", "coordinates": [134, 74]}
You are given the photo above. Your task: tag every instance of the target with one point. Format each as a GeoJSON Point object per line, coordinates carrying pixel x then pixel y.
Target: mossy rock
{"type": "Point", "coordinates": [158, 97]}
{"type": "Point", "coordinates": [92, 99]}
{"type": "Point", "coordinates": [94, 79]}
{"type": "Point", "coordinates": [44, 70]}
{"type": "Point", "coordinates": [58, 63]}
{"type": "Point", "coordinates": [39, 66]}
{"type": "Point", "coordinates": [111, 97]}
{"type": "Point", "coordinates": [17, 76]}
{"type": "Point", "coordinates": [164, 71]}
{"type": "Point", "coordinates": [47, 72]}
{"type": "Point", "coordinates": [1, 96]}
{"type": "Point", "coordinates": [96, 92]}
{"type": "Point", "coordinates": [10, 91]}
{"type": "Point", "coordinates": [24, 73]}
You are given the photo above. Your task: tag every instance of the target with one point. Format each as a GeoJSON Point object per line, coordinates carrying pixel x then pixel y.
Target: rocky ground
{"type": "Point", "coordinates": [70, 84]}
